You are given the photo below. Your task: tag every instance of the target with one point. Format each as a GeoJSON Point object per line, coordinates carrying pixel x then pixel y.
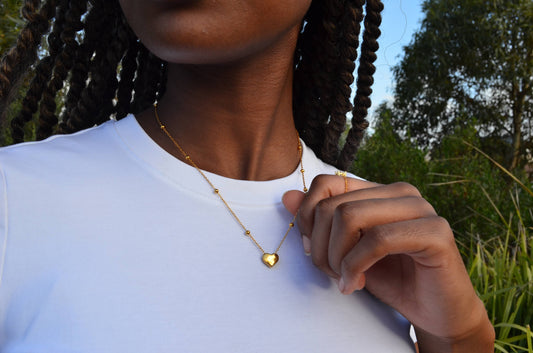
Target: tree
{"type": "Point", "coordinates": [471, 60]}
{"type": "Point", "coordinates": [385, 157]}
{"type": "Point", "coordinates": [462, 185]}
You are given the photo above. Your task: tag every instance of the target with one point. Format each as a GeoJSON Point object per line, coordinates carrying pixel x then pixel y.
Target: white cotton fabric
{"type": "Point", "coordinates": [110, 244]}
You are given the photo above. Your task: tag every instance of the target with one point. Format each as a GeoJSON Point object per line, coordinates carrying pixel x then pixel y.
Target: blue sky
{"type": "Point", "coordinates": [401, 18]}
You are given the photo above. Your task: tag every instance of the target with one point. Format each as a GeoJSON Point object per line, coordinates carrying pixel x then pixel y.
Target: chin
{"type": "Point", "coordinates": [193, 32]}
{"type": "Point", "coordinates": [199, 55]}
{"type": "Point", "coordinates": [207, 50]}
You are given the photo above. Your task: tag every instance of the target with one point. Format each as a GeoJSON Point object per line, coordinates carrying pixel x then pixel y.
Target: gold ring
{"type": "Point", "coordinates": [343, 174]}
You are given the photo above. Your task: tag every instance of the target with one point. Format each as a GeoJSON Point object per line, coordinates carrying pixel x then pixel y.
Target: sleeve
{"type": "Point", "coordinates": [3, 221]}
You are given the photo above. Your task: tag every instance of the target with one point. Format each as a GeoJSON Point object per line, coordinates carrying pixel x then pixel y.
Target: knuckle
{"type": "Point", "coordinates": [406, 188]}
{"type": "Point", "coordinates": [440, 224]}
{"type": "Point", "coordinates": [345, 212]}
{"type": "Point", "coordinates": [378, 238]}
{"type": "Point", "coordinates": [320, 262]}
{"type": "Point", "coordinates": [324, 206]}
{"type": "Point", "coordinates": [429, 207]}
{"type": "Point", "coordinates": [335, 265]}
{"type": "Point", "coordinates": [319, 181]}
{"type": "Point", "coordinates": [442, 235]}
{"type": "Point", "coordinates": [350, 268]}
{"type": "Point", "coordinates": [303, 219]}
{"type": "Point", "coordinates": [425, 206]}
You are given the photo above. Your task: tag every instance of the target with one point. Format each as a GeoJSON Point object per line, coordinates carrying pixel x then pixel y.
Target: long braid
{"type": "Point", "coordinates": [329, 71]}
{"type": "Point", "coordinates": [64, 62]}
{"type": "Point", "coordinates": [120, 38]}
{"type": "Point", "coordinates": [14, 64]}
{"type": "Point", "coordinates": [96, 98]}
{"type": "Point", "coordinates": [348, 42]}
{"type": "Point", "coordinates": [30, 103]}
{"type": "Point", "coordinates": [80, 70]}
{"type": "Point", "coordinates": [127, 74]}
{"type": "Point", "coordinates": [147, 80]}
{"type": "Point", "coordinates": [303, 94]}
{"type": "Point", "coordinates": [162, 84]}
{"type": "Point", "coordinates": [365, 80]}
{"type": "Point", "coordinates": [90, 69]}
{"type": "Point", "coordinates": [155, 68]}
{"type": "Point", "coordinates": [27, 43]}
{"type": "Point", "coordinates": [311, 82]}
{"type": "Point", "coordinates": [324, 61]}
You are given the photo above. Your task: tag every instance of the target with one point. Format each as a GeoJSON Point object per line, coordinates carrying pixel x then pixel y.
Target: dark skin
{"type": "Point", "coordinates": [229, 104]}
{"type": "Point", "coordinates": [230, 86]}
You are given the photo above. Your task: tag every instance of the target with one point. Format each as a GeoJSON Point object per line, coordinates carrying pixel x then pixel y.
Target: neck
{"type": "Point", "coordinates": [235, 119]}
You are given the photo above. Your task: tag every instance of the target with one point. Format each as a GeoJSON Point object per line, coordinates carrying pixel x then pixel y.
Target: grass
{"type": "Point", "coordinates": [501, 270]}
{"type": "Point", "coordinates": [491, 212]}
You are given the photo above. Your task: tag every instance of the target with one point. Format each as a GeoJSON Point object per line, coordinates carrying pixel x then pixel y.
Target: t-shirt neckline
{"type": "Point", "coordinates": [183, 175]}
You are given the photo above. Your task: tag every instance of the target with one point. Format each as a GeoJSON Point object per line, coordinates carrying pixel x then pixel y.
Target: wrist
{"type": "Point", "coordinates": [478, 340]}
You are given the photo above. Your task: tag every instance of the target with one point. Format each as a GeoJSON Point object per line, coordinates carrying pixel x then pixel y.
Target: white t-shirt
{"type": "Point", "coordinates": [110, 244]}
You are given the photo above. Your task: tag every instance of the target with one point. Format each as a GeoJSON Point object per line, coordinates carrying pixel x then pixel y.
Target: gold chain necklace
{"type": "Point", "coordinates": [269, 259]}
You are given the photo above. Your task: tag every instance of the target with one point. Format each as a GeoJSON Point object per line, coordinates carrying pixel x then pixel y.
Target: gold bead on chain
{"type": "Point", "coordinates": [269, 259]}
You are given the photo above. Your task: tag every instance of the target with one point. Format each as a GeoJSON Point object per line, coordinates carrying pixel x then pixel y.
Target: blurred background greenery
{"type": "Point", "coordinates": [459, 128]}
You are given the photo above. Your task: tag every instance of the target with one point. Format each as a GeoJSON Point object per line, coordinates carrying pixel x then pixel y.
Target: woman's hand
{"type": "Point", "coordinates": [389, 240]}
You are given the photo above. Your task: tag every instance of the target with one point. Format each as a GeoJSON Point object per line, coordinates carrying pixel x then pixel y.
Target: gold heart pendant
{"type": "Point", "coordinates": [270, 259]}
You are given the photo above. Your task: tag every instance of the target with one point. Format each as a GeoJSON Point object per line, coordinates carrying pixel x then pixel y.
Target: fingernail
{"type": "Point", "coordinates": [341, 285]}
{"type": "Point", "coordinates": [307, 244]}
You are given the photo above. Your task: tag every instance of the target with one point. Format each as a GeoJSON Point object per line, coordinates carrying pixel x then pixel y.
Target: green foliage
{"type": "Point", "coordinates": [490, 212]}
{"type": "Point", "coordinates": [453, 176]}
{"type": "Point", "coordinates": [10, 23]}
{"type": "Point", "coordinates": [459, 181]}
{"type": "Point", "coordinates": [386, 158]}
{"type": "Point", "coordinates": [471, 58]}
{"type": "Point", "coordinates": [464, 86]}
{"type": "Point", "coordinates": [501, 270]}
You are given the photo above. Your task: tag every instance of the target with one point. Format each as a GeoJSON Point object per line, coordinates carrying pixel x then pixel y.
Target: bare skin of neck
{"type": "Point", "coordinates": [233, 119]}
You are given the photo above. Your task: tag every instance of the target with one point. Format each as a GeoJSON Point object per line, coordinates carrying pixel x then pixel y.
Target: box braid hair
{"type": "Point", "coordinates": [110, 74]}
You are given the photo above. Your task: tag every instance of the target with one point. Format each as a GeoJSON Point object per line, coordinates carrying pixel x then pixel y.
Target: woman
{"type": "Point", "coordinates": [151, 233]}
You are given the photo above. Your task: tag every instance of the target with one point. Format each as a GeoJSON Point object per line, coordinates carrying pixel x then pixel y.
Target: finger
{"type": "Point", "coordinates": [322, 187]}
{"type": "Point", "coordinates": [326, 186]}
{"type": "Point", "coordinates": [421, 239]}
{"type": "Point", "coordinates": [320, 235]}
{"type": "Point", "coordinates": [316, 210]}
{"type": "Point", "coordinates": [350, 217]}
{"type": "Point", "coordinates": [292, 200]}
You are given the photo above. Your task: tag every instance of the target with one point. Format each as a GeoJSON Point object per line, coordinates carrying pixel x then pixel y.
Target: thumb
{"type": "Point", "coordinates": [292, 200]}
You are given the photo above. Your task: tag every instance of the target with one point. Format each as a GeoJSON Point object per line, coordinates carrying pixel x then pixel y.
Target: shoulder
{"type": "Point", "coordinates": [43, 178]}
{"type": "Point", "coordinates": [317, 167]}
{"type": "Point", "coordinates": [32, 172]}
{"type": "Point", "coordinates": [57, 150]}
